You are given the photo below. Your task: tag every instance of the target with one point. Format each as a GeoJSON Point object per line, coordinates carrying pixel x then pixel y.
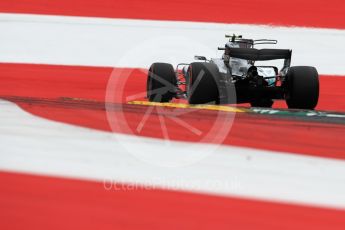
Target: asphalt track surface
{"type": "Point", "coordinates": [76, 95]}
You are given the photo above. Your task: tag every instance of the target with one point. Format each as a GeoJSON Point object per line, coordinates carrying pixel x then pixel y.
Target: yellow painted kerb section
{"type": "Point", "coordinates": [187, 106]}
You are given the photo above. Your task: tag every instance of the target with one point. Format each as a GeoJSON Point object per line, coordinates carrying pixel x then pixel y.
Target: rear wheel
{"type": "Point", "coordinates": [202, 87]}
{"type": "Point", "coordinates": [302, 87]}
{"type": "Point", "coordinates": [161, 82]}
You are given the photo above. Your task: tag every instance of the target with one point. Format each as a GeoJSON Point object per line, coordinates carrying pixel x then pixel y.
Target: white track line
{"type": "Point", "coordinates": [34, 145]}
{"type": "Point", "coordinates": [137, 43]}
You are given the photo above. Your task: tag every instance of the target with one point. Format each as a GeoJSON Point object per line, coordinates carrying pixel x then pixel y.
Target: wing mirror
{"type": "Point", "coordinates": [200, 58]}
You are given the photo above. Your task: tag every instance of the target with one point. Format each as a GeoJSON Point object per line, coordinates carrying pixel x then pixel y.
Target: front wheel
{"type": "Point", "coordinates": [302, 87]}
{"type": "Point", "coordinates": [161, 83]}
{"type": "Point", "coordinates": [202, 87]}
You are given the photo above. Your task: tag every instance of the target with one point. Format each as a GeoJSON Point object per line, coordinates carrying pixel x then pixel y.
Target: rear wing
{"type": "Point", "coordinates": [260, 55]}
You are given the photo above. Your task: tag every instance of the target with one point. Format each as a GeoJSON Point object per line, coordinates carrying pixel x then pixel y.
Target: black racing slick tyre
{"type": "Point", "coordinates": [161, 83]}
{"type": "Point", "coordinates": [302, 87]}
{"type": "Point", "coordinates": [202, 87]}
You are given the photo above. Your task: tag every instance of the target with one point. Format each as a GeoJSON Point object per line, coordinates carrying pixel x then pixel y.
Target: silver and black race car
{"type": "Point", "coordinates": [235, 78]}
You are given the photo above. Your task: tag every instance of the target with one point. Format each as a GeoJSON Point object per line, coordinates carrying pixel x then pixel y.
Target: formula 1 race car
{"type": "Point", "coordinates": [234, 78]}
